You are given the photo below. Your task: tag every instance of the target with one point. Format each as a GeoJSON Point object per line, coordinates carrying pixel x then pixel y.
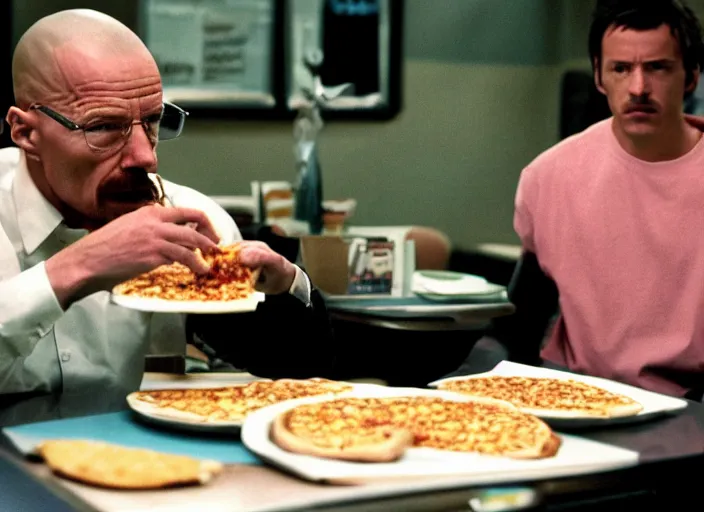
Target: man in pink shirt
{"type": "Point", "coordinates": [612, 219]}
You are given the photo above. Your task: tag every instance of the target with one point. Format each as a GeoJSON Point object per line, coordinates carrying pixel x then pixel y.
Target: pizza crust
{"type": "Point", "coordinates": [615, 411]}
{"type": "Point", "coordinates": [392, 448]}
{"type": "Point", "coordinates": [544, 450]}
{"type": "Point", "coordinates": [118, 467]}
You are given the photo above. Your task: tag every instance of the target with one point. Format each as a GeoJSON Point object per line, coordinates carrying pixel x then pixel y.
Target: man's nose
{"type": "Point", "coordinates": [638, 85]}
{"type": "Point", "coordinates": [140, 150]}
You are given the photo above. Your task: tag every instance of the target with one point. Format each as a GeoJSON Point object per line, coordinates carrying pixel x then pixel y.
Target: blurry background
{"type": "Point", "coordinates": [482, 96]}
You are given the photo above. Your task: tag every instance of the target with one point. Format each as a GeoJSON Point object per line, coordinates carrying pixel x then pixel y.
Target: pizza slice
{"type": "Point", "coordinates": [230, 404]}
{"type": "Point", "coordinates": [382, 429]}
{"type": "Point", "coordinates": [109, 465]}
{"type": "Point", "coordinates": [549, 397]}
{"type": "Point", "coordinates": [226, 280]}
{"type": "Point", "coordinates": [385, 443]}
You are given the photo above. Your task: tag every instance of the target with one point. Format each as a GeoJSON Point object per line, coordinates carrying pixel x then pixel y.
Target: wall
{"type": "Point", "coordinates": [481, 94]}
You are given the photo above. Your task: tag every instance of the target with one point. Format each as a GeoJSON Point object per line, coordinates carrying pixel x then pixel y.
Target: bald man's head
{"type": "Point", "coordinates": [63, 51]}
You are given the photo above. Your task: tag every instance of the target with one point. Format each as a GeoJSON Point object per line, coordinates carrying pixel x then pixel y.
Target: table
{"type": "Point", "coordinates": [671, 464]}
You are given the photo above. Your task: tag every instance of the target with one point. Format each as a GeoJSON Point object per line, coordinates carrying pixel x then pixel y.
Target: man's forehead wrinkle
{"type": "Point", "coordinates": [87, 106]}
{"type": "Point", "coordinates": [108, 95]}
{"type": "Point", "coordinates": [129, 88]}
{"type": "Point", "coordinates": [108, 80]}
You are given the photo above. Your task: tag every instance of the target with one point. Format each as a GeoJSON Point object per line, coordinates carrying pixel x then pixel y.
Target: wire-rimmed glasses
{"type": "Point", "coordinates": [113, 135]}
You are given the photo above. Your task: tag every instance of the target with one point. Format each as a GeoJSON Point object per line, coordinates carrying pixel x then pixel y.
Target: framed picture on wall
{"type": "Point", "coordinates": [358, 42]}
{"type": "Point", "coordinates": [217, 57]}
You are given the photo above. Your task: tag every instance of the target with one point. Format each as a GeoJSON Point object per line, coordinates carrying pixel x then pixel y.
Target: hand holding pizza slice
{"type": "Point", "coordinates": [277, 273]}
{"type": "Point", "coordinates": [227, 279]}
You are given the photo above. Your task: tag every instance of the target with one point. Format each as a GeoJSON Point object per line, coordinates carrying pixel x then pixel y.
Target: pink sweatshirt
{"type": "Point", "coordinates": [623, 239]}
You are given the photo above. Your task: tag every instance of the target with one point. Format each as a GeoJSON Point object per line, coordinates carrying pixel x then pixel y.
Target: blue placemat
{"type": "Point", "coordinates": [121, 428]}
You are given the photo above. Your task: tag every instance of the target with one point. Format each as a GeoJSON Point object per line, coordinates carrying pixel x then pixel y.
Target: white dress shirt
{"type": "Point", "coordinates": [94, 342]}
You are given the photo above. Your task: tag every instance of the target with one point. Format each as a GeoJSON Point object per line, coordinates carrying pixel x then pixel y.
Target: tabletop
{"type": "Point", "coordinates": [416, 313]}
{"type": "Point", "coordinates": [671, 451]}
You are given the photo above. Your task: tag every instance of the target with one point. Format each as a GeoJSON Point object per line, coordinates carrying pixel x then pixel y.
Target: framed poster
{"type": "Point", "coordinates": [358, 42]}
{"type": "Point", "coordinates": [219, 57]}
{"type": "Point", "coordinates": [246, 58]}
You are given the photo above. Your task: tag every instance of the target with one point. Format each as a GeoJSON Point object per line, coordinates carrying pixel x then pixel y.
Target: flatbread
{"type": "Point", "coordinates": [118, 467]}
{"type": "Point", "coordinates": [230, 404]}
{"type": "Point", "coordinates": [544, 396]}
{"type": "Point", "coordinates": [382, 429]}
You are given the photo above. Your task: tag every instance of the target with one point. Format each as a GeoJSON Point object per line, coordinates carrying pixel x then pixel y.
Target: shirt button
{"type": "Point", "coordinates": [65, 356]}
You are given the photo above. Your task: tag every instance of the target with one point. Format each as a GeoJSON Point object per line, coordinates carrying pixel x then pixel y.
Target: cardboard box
{"type": "Point", "coordinates": [358, 266]}
{"type": "Point", "coordinates": [325, 259]}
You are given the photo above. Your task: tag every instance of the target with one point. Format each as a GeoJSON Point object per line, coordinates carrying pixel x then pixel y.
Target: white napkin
{"type": "Point", "coordinates": [467, 285]}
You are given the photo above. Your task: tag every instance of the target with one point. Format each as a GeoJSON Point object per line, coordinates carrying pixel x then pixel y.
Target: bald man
{"type": "Point", "coordinates": [82, 208]}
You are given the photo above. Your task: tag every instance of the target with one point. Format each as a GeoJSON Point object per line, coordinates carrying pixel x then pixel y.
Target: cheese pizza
{"type": "Point", "coordinates": [231, 404]}
{"type": "Point", "coordinates": [381, 429]}
{"type": "Point", "coordinates": [226, 280]}
{"type": "Point", "coordinates": [544, 396]}
{"type": "Point", "coordinates": [119, 467]}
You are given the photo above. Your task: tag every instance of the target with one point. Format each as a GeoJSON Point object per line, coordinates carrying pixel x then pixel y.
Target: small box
{"type": "Point", "coordinates": [325, 259]}
{"type": "Point", "coordinates": [371, 265]}
{"type": "Point", "coordinates": [349, 266]}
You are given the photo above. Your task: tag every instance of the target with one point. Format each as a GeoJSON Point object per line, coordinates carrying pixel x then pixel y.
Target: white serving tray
{"type": "Point", "coordinates": [654, 404]}
{"type": "Point", "coordinates": [576, 455]}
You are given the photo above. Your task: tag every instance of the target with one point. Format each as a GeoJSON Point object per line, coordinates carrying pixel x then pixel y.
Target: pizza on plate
{"type": "Point", "coordinates": [545, 396]}
{"type": "Point", "coordinates": [381, 429]}
{"type": "Point", "coordinates": [109, 465]}
{"type": "Point", "coordinates": [226, 280]}
{"type": "Point", "coordinates": [231, 404]}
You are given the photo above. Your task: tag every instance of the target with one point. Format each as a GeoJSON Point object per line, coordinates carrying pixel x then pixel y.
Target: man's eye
{"type": "Point", "coordinates": [657, 66]}
{"type": "Point", "coordinates": [105, 127]}
{"type": "Point", "coordinates": [620, 68]}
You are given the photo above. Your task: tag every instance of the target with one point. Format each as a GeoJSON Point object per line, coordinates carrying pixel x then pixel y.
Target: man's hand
{"type": "Point", "coordinates": [277, 273]}
{"type": "Point", "coordinates": [128, 246]}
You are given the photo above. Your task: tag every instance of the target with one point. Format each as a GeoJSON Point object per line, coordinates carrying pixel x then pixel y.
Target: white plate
{"type": "Point", "coordinates": [493, 292]}
{"type": "Point", "coordinates": [654, 404]}
{"type": "Point", "coordinates": [188, 306]}
{"type": "Point", "coordinates": [192, 422]}
{"type": "Point", "coordinates": [576, 455]}
{"type": "Point", "coordinates": [448, 286]}
{"type": "Point", "coordinates": [447, 282]}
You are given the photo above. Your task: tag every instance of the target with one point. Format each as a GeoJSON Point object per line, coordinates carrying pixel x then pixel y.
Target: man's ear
{"type": "Point", "coordinates": [23, 130]}
{"type": "Point", "coordinates": [692, 85]}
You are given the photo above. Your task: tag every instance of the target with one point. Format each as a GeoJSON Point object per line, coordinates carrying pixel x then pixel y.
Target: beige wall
{"type": "Point", "coordinates": [451, 159]}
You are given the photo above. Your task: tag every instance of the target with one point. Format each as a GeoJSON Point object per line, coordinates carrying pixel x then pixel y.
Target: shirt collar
{"type": "Point", "coordinates": [36, 216]}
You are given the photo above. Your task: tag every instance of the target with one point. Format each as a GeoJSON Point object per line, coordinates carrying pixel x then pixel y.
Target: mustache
{"type": "Point", "coordinates": [641, 104]}
{"type": "Point", "coordinates": [133, 182]}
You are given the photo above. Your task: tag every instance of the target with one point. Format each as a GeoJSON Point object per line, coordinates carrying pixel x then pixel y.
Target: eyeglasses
{"type": "Point", "coordinates": [113, 135]}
